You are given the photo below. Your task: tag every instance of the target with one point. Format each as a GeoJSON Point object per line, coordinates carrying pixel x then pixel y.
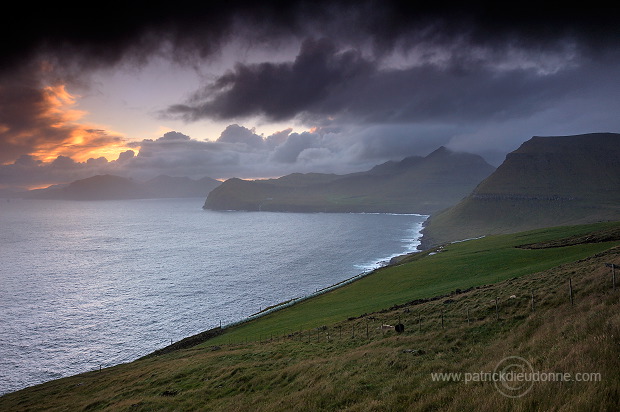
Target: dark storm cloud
{"type": "Point", "coordinates": [478, 80]}
{"type": "Point", "coordinates": [22, 108]}
{"type": "Point", "coordinates": [483, 77]}
{"type": "Point", "coordinates": [278, 91]}
{"type": "Point", "coordinates": [472, 64]}
{"type": "Point", "coordinates": [105, 35]}
{"type": "Point", "coordinates": [325, 85]}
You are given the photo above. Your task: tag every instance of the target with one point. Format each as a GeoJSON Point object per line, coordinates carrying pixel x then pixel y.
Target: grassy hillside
{"type": "Point", "coordinates": [456, 266]}
{"type": "Point", "coordinates": [464, 308]}
{"type": "Point", "coordinates": [413, 185]}
{"type": "Point", "coordinates": [548, 181]}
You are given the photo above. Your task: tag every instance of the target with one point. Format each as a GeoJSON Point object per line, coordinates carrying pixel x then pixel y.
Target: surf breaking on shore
{"type": "Point", "coordinates": [412, 243]}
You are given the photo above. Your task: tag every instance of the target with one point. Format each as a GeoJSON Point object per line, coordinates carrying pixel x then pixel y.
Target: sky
{"type": "Point", "coordinates": [263, 89]}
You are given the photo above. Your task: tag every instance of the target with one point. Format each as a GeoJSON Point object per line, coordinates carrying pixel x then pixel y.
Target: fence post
{"type": "Point", "coordinates": [468, 316]}
{"type": "Point", "coordinates": [442, 319]}
{"type": "Point", "coordinates": [533, 307]}
{"type": "Point", "coordinates": [613, 274]}
{"type": "Point", "coordinates": [570, 290]}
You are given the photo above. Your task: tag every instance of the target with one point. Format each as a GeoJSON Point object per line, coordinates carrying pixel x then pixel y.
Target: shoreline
{"type": "Point", "coordinates": [405, 238]}
{"type": "Point", "coordinates": [380, 264]}
{"type": "Point", "coordinates": [377, 265]}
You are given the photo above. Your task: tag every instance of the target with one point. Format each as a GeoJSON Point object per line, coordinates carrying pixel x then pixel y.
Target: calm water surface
{"type": "Point", "coordinates": [85, 284]}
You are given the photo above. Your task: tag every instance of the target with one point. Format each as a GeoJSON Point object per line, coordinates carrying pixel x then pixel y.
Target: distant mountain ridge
{"type": "Point", "coordinates": [111, 187]}
{"type": "Point", "coordinates": [548, 181]}
{"type": "Point", "coordinates": [413, 185]}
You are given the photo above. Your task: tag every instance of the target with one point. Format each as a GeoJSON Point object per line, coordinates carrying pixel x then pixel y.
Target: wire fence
{"type": "Point", "coordinates": [498, 306]}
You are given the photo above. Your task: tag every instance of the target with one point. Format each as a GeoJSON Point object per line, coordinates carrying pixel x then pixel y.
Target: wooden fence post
{"type": "Point", "coordinates": [570, 290]}
{"type": "Point", "coordinates": [613, 274]}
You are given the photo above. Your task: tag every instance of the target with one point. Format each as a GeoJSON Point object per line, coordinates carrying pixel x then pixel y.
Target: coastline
{"type": "Point", "coordinates": [406, 231]}
{"type": "Point", "coordinates": [394, 259]}
{"type": "Point", "coordinates": [413, 248]}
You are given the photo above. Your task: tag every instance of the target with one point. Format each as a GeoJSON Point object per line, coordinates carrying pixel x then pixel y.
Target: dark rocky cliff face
{"type": "Point", "coordinates": [569, 166]}
{"type": "Point", "coordinates": [548, 181]}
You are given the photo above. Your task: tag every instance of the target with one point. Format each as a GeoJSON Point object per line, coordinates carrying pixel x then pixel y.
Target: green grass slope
{"type": "Point", "coordinates": [456, 266]}
{"type": "Point", "coordinates": [465, 308]}
{"type": "Point", "coordinates": [548, 181]}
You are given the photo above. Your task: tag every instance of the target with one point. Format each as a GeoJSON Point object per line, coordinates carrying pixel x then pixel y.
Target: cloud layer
{"type": "Point", "coordinates": [119, 31]}
{"type": "Point", "coordinates": [237, 152]}
{"type": "Point", "coordinates": [42, 122]}
{"type": "Point", "coordinates": [373, 80]}
{"type": "Point", "coordinates": [324, 84]}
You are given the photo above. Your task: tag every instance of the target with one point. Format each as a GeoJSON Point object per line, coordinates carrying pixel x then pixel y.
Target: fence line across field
{"type": "Point", "coordinates": [441, 320]}
{"type": "Point", "coordinates": [369, 324]}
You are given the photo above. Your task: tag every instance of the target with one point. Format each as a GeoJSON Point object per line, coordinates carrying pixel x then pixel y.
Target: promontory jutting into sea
{"type": "Point", "coordinates": [87, 284]}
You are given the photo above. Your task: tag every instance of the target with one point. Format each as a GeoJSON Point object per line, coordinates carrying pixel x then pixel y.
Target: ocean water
{"type": "Point", "coordinates": [90, 284]}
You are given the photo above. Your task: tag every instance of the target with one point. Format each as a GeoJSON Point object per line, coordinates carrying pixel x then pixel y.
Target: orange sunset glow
{"type": "Point", "coordinates": [78, 141]}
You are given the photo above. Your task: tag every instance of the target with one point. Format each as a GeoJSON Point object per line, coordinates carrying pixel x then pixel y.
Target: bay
{"type": "Point", "coordinates": [90, 284]}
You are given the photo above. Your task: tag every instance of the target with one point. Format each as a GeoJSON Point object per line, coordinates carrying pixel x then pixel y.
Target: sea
{"type": "Point", "coordinates": [85, 285]}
